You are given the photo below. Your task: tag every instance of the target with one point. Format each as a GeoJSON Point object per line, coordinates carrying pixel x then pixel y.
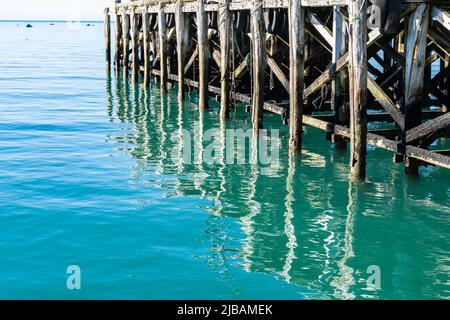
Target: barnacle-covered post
{"type": "Point", "coordinates": [258, 31]}
{"type": "Point", "coordinates": [181, 31]}
{"type": "Point", "coordinates": [125, 41]}
{"type": "Point", "coordinates": [224, 25]}
{"type": "Point", "coordinates": [162, 26]}
{"type": "Point", "coordinates": [107, 27]}
{"type": "Point", "coordinates": [146, 40]}
{"type": "Point", "coordinates": [358, 86]}
{"type": "Point", "coordinates": [134, 46]}
{"type": "Point", "coordinates": [296, 77]}
{"type": "Point", "coordinates": [202, 42]}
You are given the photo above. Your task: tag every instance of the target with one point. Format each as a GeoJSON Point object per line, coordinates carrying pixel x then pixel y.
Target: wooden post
{"type": "Point", "coordinates": [337, 85]}
{"type": "Point", "coordinates": [258, 63]}
{"type": "Point", "coordinates": [134, 46]}
{"type": "Point", "coordinates": [358, 86]}
{"type": "Point", "coordinates": [224, 25]}
{"type": "Point", "coordinates": [146, 39]}
{"type": "Point", "coordinates": [125, 41]}
{"type": "Point", "coordinates": [296, 74]}
{"type": "Point", "coordinates": [415, 52]}
{"type": "Point", "coordinates": [181, 31]}
{"type": "Point", "coordinates": [162, 47]}
{"type": "Point", "coordinates": [202, 34]}
{"type": "Point", "coordinates": [446, 82]}
{"type": "Point", "coordinates": [117, 48]}
{"type": "Point", "coordinates": [108, 39]}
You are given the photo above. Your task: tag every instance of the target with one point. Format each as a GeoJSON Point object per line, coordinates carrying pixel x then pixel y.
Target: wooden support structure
{"type": "Point", "coordinates": [415, 52]}
{"type": "Point", "coordinates": [296, 66]}
{"type": "Point", "coordinates": [147, 45]}
{"type": "Point", "coordinates": [333, 74]}
{"type": "Point", "coordinates": [107, 40]}
{"type": "Point", "coordinates": [338, 84]}
{"type": "Point", "coordinates": [224, 25]}
{"type": "Point", "coordinates": [258, 63]}
{"type": "Point", "coordinates": [117, 42]}
{"type": "Point", "coordinates": [134, 47]}
{"type": "Point", "coordinates": [162, 28]}
{"type": "Point", "coordinates": [181, 31]}
{"type": "Point", "coordinates": [202, 43]}
{"type": "Point", "coordinates": [358, 86]}
{"type": "Point", "coordinates": [125, 42]}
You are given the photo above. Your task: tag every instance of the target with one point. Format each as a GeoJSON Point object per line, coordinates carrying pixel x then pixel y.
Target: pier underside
{"type": "Point", "coordinates": [366, 72]}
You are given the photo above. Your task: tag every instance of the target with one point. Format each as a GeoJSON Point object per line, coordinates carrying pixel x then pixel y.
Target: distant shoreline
{"type": "Point", "coordinates": [54, 21]}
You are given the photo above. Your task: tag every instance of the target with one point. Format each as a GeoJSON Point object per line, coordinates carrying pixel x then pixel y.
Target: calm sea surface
{"type": "Point", "coordinates": [89, 176]}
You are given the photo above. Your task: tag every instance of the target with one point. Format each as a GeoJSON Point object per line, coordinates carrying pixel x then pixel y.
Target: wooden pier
{"type": "Point", "coordinates": [348, 67]}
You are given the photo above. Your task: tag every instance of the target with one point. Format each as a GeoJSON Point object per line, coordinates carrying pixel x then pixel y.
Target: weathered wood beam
{"type": "Point", "coordinates": [146, 40]}
{"type": "Point", "coordinates": [258, 31]}
{"type": "Point", "coordinates": [338, 83]}
{"type": "Point", "coordinates": [358, 87]}
{"type": "Point", "coordinates": [381, 116]}
{"type": "Point", "coordinates": [107, 29]}
{"type": "Point", "coordinates": [386, 102]}
{"type": "Point", "coordinates": [243, 67]}
{"type": "Point", "coordinates": [162, 28]}
{"type": "Point", "coordinates": [415, 54]}
{"type": "Point", "coordinates": [191, 60]}
{"type": "Point", "coordinates": [224, 25]}
{"type": "Point", "coordinates": [440, 40]}
{"type": "Point", "coordinates": [216, 57]}
{"type": "Point", "coordinates": [320, 27]}
{"type": "Point", "coordinates": [442, 16]}
{"type": "Point", "coordinates": [126, 43]}
{"type": "Point", "coordinates": [117, 42]}
{"type": "Point", "coordinates": [191, 6]}
{"type": "Point", "coordinates": [134, 47]}
{"type": "Point", "coordinates": [271, 63]}
{"type": "Point", "coordinates": [296, 77]}
{"type": "Point", "coordinates": [427, 128]}
{"type": "Point", "coordinates": [428, 156]}
{"type": "Point", "coordinates": [203, 64]}
{"type": "Point", "coordinates": [181, 34]}
{"type": "Point", "coordinates": [326, 76]}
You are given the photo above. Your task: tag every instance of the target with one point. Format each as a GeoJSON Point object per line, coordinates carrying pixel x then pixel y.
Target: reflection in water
{"type": "Point", "coordinates": [303, 223]}
{"type": "Point", "coordinates": [289, 216]}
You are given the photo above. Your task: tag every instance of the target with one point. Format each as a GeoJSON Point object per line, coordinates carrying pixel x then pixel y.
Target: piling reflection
{"type": "Point", "coordinates": [302, 222]}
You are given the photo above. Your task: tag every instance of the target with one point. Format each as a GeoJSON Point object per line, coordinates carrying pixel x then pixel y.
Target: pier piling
{"type": "Point", "coordinates": [117, 41]}
{"type": "Point", "coordinates": [107, 26]}
{"type": "Point", "coordinates": [338, 104]}
{"type": "Point", "coordinates": [358, 86]}
{"type": "Point", "coordinates": [162, 32]}
{"type": "Point", "coordinates": [147, 43]}
{"type": "Point", "coordinates": [126, 43]}
{"type": "Point", "coordinates": [259, 53]}
{"type": "Point", "coordinates": [415, 52]}
{"type": "Point", "coordinates": [296, 72]}
{"type": "Point", "coordinates": [135, 66]}
{"type": "Point", "coordinates": [224, 25]}
{"type": "Point", "coordinates": [202, 43]}
{"type": "Point", "coordinates": [181, 30]}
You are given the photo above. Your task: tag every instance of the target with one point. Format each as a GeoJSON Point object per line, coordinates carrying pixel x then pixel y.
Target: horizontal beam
{"type": "Point", "coordinates": [429, 127]}
{"type": "Point", "coordinates": [191, 6]}
{"type": "Point", "coordinates": [442, 16]}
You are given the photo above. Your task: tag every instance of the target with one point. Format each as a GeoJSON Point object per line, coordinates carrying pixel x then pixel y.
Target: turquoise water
{"type": "Point", "coordinates": [87, 179]}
